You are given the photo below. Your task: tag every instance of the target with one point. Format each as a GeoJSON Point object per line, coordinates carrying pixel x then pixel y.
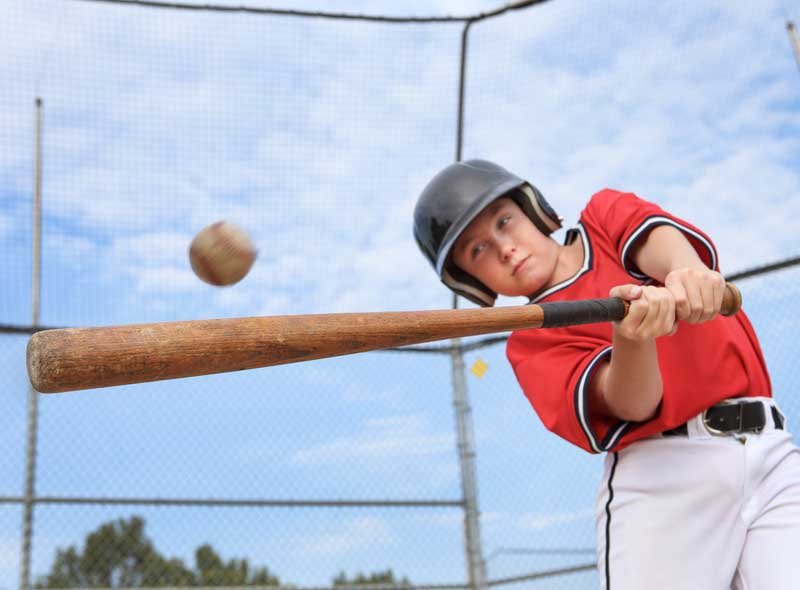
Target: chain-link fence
{"type": "Point", "coordinates": [315, 133]}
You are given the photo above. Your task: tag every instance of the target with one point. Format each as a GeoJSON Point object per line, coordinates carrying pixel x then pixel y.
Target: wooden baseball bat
{"type": "Point", "coordinates": [70, 359]}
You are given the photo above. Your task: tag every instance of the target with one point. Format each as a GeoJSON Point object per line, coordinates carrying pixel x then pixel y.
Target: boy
{"type": "Point", "coordinates": [701, 485]}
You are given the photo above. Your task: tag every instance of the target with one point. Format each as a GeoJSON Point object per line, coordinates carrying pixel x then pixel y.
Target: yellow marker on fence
{"type": "Point", "coordinates": [479, 368]}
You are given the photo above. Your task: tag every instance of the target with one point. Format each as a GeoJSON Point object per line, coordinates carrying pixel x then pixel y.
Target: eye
{"type": "Point", "coordinates": [477, 249]}
{"type": "Point", "coordinates": [503, 221]}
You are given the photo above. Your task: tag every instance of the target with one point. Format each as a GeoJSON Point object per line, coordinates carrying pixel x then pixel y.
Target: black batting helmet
{"type": "Point", "coordinates": [452, 199]}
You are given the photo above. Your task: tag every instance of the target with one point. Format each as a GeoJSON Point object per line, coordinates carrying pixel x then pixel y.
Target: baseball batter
{"type": "Point", "coordinates": [701, 486]}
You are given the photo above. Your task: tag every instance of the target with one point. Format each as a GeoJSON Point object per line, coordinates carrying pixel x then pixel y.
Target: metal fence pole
{"type": "Point", "coordinates": [33, 396]}
{"type": "Point", "coordinates": [476, 564]}
{"type": "Point", "coordinates": [790, 28]}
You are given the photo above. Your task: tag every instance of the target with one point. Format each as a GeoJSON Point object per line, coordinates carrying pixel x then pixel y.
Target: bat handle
{"type": "Point", "coordinates": [572, 313]}
{"type": "Point", "coordinates": [731, 301]}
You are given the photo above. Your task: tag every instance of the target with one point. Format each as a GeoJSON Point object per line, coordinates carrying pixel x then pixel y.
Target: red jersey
{"type": "Point", "coordinates": [700, 365]}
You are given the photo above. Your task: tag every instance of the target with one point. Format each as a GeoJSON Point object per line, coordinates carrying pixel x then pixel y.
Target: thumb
{"type": "Point", "coordinates": [626, 292]}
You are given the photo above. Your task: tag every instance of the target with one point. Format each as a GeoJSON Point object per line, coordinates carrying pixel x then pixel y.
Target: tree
{"type": "Point", "coordinates": [374, 579]}
{"type": "Point", "coordinates": [212, 571]}
{"type": "Point", "coordinates": [119, 555]}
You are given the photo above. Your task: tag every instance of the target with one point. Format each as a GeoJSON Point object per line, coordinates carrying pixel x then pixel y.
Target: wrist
{"type": "Point", "coordinates": [623, 339]}
{"type": "Point", "coordinates": [689, 266]}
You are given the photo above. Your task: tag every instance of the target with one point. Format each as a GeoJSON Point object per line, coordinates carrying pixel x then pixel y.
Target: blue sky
{"type": "Point", "coordinates": [316, 137]}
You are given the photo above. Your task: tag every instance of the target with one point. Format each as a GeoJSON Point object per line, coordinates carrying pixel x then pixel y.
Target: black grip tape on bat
{"type": "Point", "coordinates": [572, 313]}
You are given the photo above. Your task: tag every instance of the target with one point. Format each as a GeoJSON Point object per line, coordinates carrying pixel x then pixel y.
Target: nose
{"type": "Point", "coordinates": [507, 250]}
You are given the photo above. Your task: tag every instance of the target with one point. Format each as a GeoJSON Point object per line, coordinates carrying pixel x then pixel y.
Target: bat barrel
{"type": "Point", "coordinates": [82, 358]}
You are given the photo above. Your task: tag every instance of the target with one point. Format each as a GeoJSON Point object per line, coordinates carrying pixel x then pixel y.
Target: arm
{"type": "Point", "coordinates": [667, 256]}
{"type": "Point", "coordinates": [629, 386]}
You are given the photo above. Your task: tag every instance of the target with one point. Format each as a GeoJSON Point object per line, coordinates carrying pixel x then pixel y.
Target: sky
{"type": "Point", "coordinates": [316, 137]}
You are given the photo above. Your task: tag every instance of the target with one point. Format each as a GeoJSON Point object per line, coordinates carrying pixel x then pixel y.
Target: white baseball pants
{"type": "Point", "coordinates": [702, 511]}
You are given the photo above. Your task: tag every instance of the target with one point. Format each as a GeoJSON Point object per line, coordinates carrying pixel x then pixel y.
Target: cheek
{"type": "Point", "coordinates": [468, 265]}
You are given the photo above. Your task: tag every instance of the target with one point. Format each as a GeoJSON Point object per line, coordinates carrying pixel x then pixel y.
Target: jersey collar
{"type": "Point", "coordinates": [577, 232]}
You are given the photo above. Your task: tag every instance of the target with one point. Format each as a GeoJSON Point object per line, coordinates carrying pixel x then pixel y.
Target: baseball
{"type": "Point", "coordinates": [221, 254]}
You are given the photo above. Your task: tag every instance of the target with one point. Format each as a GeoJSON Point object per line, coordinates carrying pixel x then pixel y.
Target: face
{"type": "Point", "coordinates": [504, 250]}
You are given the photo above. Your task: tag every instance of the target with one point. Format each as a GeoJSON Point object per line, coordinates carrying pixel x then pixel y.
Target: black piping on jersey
{"type": "Point", "coordinates": [608, 519]}
{"type": "Point", "coordinates": [588, 259]}
{"type": "Point", "coordinates": [654, 221]}
{"type": "Point", "coordinates": [581, 403]}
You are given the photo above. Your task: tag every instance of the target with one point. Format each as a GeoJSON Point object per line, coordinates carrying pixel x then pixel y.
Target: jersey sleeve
{"type": "Point", "coordinates": [554, 368]}
{"type": "Point", "coordinates": [627, 220]}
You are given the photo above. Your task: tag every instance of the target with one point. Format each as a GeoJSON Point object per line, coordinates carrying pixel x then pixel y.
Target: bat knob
{"type": "Point", "coordinates": [731, 300]}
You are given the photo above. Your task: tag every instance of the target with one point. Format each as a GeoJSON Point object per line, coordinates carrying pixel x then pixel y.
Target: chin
{"type": "Point", "coordinates": [533, 284]}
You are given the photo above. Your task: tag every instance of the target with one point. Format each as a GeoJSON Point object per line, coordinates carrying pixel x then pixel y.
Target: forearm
{"type": "Point", "coordinates": [629, 386]}
{"type": "Point", "coordinates": [666, 249]}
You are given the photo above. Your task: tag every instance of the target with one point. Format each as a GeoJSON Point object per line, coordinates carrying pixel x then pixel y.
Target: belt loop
{"type": "Point", "coordinates": [777, 418]}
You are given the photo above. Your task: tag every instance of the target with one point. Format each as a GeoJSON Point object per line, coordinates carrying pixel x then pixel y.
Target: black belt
{"type": "Point", "coordinates": [733, 418]}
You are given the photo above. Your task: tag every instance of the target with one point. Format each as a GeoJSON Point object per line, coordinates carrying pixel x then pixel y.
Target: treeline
{"type": "Point", "coordinates": [118, 554]}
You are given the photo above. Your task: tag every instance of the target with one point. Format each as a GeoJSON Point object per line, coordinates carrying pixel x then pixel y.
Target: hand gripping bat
{"type": "Point", "coordinates": [70, 359]}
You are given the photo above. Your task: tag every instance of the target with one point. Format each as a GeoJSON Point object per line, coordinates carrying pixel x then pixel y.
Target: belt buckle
{"type": "Point", "coordinates": [738, 428]}
{"type": "Point", "coordinates": [717, 432]}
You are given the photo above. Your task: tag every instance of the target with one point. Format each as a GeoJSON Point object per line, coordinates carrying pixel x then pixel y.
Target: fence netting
{"type": "Point", "coordinates": [315, 135]}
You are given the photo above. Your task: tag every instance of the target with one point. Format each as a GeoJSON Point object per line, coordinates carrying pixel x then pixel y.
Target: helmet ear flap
{"type": "Point", "coordinates": [536, 207]}
{"type": "Point", "coordinates": [467, 286]}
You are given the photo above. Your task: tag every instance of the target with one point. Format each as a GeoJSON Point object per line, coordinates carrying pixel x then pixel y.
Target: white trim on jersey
{"type": "Point", "coordinates": [585, 266]}
{"type": "Point", "coordinates": [649, 224]}
{"type": "Point", "coordinates": [582, 409]}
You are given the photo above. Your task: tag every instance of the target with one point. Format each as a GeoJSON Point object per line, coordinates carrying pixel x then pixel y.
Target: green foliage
{"type": "Point", "coordinates": [374, 579]}
{"type": "Point", "coordinates": [212, 571]}
{"type": "Point", "coordinates": [119, 555]}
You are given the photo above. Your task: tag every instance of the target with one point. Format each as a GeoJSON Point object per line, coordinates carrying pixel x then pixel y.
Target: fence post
{"type": "Point", "coordinates": [476, 564]}
{"type": "Point", "coordinates": [33, 395]}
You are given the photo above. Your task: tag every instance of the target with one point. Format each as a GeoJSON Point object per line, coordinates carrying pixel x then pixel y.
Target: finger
{"type": "Point", "coordinates": [695, 298]}
{"type": "Point", "coordinates": [626, 292]}
{"type": "Point", "coordinates": [668, 315]}
{"type": "Point", "coordinates": [651, 323]}
{"type": "Point", "coordinates": [630, 325]}
{"type": "Point", "coordinates": [707, 294]}
{"type": "Point", "coordinates": [716, 291]}
{"type": "Point", "coordinates": [678, 290]}
{"type": "Point", "coordinates": [719, 293]}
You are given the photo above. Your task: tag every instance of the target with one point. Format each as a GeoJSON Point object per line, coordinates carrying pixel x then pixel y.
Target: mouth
{"type": "Point", "coordinates": [519, 265]}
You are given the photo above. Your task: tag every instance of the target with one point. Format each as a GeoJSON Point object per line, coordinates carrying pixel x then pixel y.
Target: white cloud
{"type": "Point", "coordinates": [357, 534]}
{"type": "Point", "coordinates": [232, 297]}
{"type": "Point", "coordinates": [5, 226]}
{"type": "Point", "coordinates": [156, 263]}
{"type": "Point", "coordinates": [538, 521]}
{"type": "Point", "coordinates": [69, 246]}
{"type": "Point", "coordinates": [320, 150]}
{"type": "Point", "coordinates": [499, 523]}
{"type": "Point", "coordinates": [380, 440]}
{"type": "Point", "coordinates": [9, 554]}
{"type": "Point", "coordinates": [165, 279]}
{"type": "Point", "coordinates": [152, 249]}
